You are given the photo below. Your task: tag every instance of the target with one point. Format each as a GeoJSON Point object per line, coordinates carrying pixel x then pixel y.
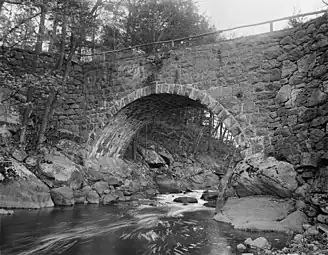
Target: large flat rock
{"type": "Point", "coordinates": [262, 213]}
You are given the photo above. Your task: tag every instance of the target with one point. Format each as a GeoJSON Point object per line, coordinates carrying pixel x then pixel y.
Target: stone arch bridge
{"type": "Point", "coordinates": [270, 90]}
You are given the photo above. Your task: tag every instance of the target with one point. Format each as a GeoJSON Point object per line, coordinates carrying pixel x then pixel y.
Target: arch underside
{"type": "Point", "coordinates": [140, 107]}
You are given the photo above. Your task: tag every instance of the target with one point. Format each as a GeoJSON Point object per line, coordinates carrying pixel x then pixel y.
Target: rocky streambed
{"type": "Point", "coordinates": [157, 226]}
{"type": "Point", "coordinates": [167, 224]}
{"type": "Point", "coordinates": [267, 195]}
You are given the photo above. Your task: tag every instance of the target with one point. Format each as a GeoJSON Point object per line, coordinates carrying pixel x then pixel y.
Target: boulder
{"type": "Point", "coordinates": [165, 154]}
{"type": "Point", "coordinates": [211, 204]}
{"type": "Point", "coordinates": [131, 187]}
{"type": "Point", "coordinates": [257, 175]}
{"type": "Point", "coordinates": [119, 194]}
{"type": "Point", "coordinates": [100, 187]}
{"type": "Point", "coordinates": [93, 197]}
{"type": "Point", "coordinates": [152, 157]}
{"type": "Point", "coordinates": [57, 170]}
{"type": "Point", "coordinates": [81, 195]}
{"type": "Point", "coordinates": [259, 243]}
{"type": "Point", "coordinates": [209, 195]}
{"type": "Point", "coordinates": [295, 221]}
{"type": "Point", "coordinates": [109, 199]}
{"type": "Point", "coordinates": [19, 155]}
{"type": "Point", "coordinates": [25, 190]}
{"type": "Point", "coordinates": [185, 200]}
{"type": "Point", "coordinates": [114, 182]}
{"type": "Point", "coordinates": [241, 247]}
{"type": "Point", "coordinates": [107, 168]}
{"type": "Point", "coordinates": [120, 174]}
{"type": "Point", "coordinates": [200, 180]}
{"type": "Point", "coordinates": [63, 196]}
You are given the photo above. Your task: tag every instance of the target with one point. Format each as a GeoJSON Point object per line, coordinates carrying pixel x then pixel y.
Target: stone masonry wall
{"type": "Point", "coordinates": [273, 87]}
{"type": "Point", "coordinates": [301, 111]}
{"type": "Point", "coordinates": [70, 109]}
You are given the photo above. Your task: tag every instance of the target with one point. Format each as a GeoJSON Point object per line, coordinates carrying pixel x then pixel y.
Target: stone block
{"type": "Point", "coordinates": [306, 63]}
{"type": "Point", "coordinates": [284, 93]}
{"type": "Point", "coordinates": [288, 68]}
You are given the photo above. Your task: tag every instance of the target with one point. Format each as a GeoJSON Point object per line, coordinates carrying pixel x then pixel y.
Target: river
{"type": "Point", "coordinates": [167, 228]}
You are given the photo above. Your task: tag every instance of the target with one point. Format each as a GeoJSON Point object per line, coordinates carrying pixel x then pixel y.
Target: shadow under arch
{"type": "Point", "coordinates": [138, 108]}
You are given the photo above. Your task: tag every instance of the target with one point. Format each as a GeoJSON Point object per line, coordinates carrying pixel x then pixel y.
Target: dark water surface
{"type": "Point", "coordinates": [121, 230]}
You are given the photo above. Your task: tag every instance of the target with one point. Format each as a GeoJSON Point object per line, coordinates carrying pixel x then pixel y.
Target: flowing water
{"type": "Point", "coordinates": [168, 228]}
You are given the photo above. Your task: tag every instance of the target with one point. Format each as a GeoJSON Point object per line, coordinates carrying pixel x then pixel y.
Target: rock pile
{"type": "Point", "coordinates": [313, 241]}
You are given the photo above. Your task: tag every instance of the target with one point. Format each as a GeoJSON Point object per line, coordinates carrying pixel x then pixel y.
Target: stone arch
{"type": "Point", "coordinates": [121, 127]}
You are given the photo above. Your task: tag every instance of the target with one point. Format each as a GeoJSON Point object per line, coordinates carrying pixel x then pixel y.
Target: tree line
{"type": "Point", "coordinates": [97, 25]}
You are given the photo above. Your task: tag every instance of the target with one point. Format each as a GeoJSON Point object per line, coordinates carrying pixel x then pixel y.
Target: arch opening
{"type": "Point", "coordinates": [193, 111]}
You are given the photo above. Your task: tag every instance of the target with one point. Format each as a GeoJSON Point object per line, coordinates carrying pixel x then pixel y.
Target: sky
{"type": "Point", "coordinates": [232, 13]}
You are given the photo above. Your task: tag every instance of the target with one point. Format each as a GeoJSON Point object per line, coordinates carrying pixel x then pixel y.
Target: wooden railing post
{"type": "Point", "coordinates": [271, 26]}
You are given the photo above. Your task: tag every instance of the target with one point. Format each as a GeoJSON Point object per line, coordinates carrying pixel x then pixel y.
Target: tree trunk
{"type": "Point", "coordinates": [134, 149]}
{"type": "Point", "coordinates": [30, 89]}
{"type": "Point", "coordinates": [45, 118]}
{"type": "Point", "coordinates": [201, 118]}
{"type": "Point", "coordinates": [39, 42]}
{"type": "Point", "coordinates": [63, 39]}
{"type": "Point", "coordinates": [225, 182]}
{"type": "Point", "coordinates": [198, 140]}
{"type": "Point", "coordinates": [221, 131]}
{"type": "Point", "coordinates": [53, 37]}
{"type": "Point", "coordinates": [26, 116]}
{"type": "Point", "coordinates": [210, 132]}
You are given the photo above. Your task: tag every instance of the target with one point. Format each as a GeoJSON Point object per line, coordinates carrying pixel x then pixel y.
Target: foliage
{"type": "Point", "coordinates": [151, 21]}
{"type": "Point", "coordinates": [295, 22]}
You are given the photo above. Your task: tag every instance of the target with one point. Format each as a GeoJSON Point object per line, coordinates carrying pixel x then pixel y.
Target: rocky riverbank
{"type": "Point", "coordinates": [63, 176]}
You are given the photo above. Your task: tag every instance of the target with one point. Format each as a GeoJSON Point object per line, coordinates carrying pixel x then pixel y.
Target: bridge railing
{"type": "Point", "coordinates": [187, 40]}
{"type": "Point", "coordinates": [271, 22]}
